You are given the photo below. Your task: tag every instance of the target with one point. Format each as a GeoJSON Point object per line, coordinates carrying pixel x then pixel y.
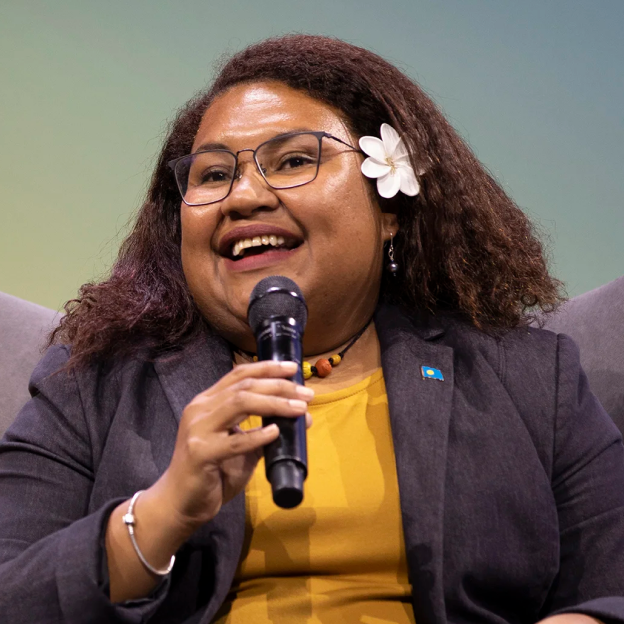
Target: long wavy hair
{"type": "Point", "coordinates": [463, 246]}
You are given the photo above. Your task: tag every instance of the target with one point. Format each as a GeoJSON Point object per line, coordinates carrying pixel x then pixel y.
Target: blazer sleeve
{"type": "Point", "coordinates": [588, 485]}
{"type": "Point", "coordinates": [52, 555]}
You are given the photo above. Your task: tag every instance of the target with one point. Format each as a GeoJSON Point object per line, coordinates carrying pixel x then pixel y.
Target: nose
{"type": "Point", "coordinates": [250, 193]}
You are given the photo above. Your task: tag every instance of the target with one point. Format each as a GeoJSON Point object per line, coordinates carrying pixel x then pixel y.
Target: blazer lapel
{"type": "Point", "coordinates": [183, 375]}
{"type": "Point", "coordinates": [199, 365]}
{"type": "Point", "coordinates": [420, 412]}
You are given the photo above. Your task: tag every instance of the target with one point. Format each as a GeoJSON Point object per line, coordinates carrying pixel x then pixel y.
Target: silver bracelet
{"type": "Point", "coordinates": [130, 521]}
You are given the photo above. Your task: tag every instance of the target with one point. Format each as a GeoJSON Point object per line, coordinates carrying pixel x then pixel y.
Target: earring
{"type": "Point", "coordinates": [392, 267]}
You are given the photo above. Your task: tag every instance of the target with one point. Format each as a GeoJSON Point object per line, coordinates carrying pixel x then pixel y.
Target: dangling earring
{"type": "Point", "coordinates": [392, 267]}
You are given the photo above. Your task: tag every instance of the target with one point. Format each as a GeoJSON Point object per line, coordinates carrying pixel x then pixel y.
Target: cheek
{"type": "Point", "coordinates": [354, 210]}
{"type": "Point", "coordinates": [196, 252]}
{"type": "Point", "coordinates": [198, 225]}
{"type": "Point", "coordinates": [190, 219]}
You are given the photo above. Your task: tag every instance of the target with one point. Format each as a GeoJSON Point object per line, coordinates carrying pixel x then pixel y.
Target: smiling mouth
{"type": "Point", "coordinates": [246, 247]}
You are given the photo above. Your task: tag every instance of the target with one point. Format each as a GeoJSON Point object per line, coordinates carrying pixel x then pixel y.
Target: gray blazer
{"type": "Point", "coordinates": [511, 480]}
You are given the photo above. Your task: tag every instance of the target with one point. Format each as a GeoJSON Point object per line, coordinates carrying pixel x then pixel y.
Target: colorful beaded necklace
{"type": "Point", "coordinates": [323, 366]}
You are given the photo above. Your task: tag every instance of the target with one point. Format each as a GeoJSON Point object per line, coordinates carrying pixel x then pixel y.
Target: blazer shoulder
{"type": "Point", "coordinates": [528, 349]}
{"type": "Point", "coordinates": [92, 392]}
{"type": "Point", "coordinates": [53, 366]}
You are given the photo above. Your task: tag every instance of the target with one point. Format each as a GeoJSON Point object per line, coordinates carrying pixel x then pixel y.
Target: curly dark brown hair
{"type": "Point", "coordinates": [463, 245]}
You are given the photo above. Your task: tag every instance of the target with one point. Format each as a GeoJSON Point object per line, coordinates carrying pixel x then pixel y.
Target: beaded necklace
{"type": "Point", "coordinates": [323, 366]}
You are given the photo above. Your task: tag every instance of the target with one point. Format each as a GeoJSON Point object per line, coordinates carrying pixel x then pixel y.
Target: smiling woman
{"type": "Point", "coordinates": [449, 474]}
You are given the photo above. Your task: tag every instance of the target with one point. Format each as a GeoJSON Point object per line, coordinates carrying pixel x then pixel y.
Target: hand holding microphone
{"type": "Point", "coordinates": [213, 460]}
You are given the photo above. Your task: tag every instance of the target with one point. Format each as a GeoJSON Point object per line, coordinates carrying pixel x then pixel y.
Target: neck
{"type": "Point", "coordinates": [360, 361]}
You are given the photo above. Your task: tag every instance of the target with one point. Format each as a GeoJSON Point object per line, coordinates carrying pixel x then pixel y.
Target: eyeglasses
{"type": "Point", "coordinates": [285, 161]}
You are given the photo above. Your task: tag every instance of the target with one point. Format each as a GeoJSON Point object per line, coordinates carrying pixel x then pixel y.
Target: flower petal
{"type": "Point", "coordinates": [390, 138]}
{"type": "Point", "coordinates": [409, 184]}
{"type": "Point", "coordinates": [402, 159]}
{"type": "Point", "coordinates": [373, 147]}
{"type": "Point", "coordinates": [388, 185]}
{"type": "Point", "coordinates": [400, 151]}
{"type": "Point", "coordinates": [373, 169]}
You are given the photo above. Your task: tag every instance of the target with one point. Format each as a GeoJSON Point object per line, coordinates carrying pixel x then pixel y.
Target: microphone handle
{"type": "Point", "coordinates": [286, 462]}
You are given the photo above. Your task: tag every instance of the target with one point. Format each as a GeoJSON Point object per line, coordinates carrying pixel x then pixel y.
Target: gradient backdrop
{"type": "Point", "coordinates": [86, 88]}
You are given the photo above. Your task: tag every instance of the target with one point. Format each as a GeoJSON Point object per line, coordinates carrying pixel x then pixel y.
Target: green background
{"type": "Point", "coordinates": [86, 88]}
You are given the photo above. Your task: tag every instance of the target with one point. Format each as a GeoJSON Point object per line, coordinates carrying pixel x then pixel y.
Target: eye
{"type": "Point", "coordinates": [214, 176]}
{"type": "Point", "coordinates": [294, 161]}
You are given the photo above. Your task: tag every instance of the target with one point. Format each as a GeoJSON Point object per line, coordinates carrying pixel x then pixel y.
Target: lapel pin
{"type": "Point", "coordinates": [428, 372]}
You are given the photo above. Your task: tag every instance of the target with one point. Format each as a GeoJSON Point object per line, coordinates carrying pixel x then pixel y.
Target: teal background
{"type": "Point", "coordinates": [86, 88]}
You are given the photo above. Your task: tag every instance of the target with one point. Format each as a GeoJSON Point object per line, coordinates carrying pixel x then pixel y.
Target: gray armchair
{"type": "Point", "coordinates": [23, 330]}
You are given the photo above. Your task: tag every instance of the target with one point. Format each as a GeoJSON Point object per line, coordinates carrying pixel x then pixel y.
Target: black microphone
{"type": "Point", "coordinates": [277, 315]}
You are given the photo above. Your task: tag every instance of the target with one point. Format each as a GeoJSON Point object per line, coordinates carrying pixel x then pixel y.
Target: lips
{"type": "Point", "coordinates": [254, 240]}
{"type": "Point", "coordinates": [265, 260]}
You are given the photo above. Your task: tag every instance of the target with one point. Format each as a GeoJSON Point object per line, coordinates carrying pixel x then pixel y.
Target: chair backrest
{"type": "Point", "coordinates": [23, 330]}
{"type": "Point", "coordinates": [595, 320]}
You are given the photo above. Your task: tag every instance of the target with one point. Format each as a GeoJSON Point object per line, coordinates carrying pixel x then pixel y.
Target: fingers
{"type": "Point", "coordinates": [261, 388]}
{"type": "Point", "coordinates": [233, 407]}
{"type": "Point", "coordinates": [276, 387]}
{"type": "Point", "coordinates": [264, 369]}
{"type": "Point", "coordinates": [237, 429]}
{"type": "Point", "coordinates": [248, 441]}
{"type": "Point", "coordinates": [252, 440]}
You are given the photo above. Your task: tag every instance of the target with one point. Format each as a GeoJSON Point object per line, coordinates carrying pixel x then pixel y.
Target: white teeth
{"type": "Point", "coordinates": [257, 241]}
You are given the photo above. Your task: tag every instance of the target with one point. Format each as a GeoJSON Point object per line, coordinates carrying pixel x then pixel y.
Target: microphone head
{"type": "Point", "coordinates": [276, 296]}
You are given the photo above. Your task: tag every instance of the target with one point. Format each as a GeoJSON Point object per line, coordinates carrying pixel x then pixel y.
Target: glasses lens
{"type": "Point", "coordinates": [205, 177]}
{"type": "Point", "coordinates": [289, 161]}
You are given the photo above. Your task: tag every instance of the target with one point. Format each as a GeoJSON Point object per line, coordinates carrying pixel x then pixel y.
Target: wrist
{"type": "Point", "coordinates": [181, 517]}
{"type": "Point", "coordinates": [157, 507]}
{"type": "Point", "coordinates": [129, 519]}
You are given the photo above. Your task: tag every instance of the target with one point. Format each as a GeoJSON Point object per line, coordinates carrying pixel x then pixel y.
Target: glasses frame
{"type": "Point", "coordinates": [320, 135]}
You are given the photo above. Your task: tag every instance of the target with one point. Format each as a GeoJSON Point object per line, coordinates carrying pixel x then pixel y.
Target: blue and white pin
{"type": "Point", "coordinates": [428, 372]}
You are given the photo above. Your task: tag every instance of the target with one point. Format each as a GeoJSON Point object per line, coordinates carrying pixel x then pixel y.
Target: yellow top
{"type": "Point", "coordinates": [339, 557]}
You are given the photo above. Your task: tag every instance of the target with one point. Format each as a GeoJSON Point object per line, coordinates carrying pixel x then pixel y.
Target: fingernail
{"type": "Point", "coordinates": [305, 392]}
{"type": "Point", "coordinates": [289, 366]}
{"type": "Point", "coordinates": [298, 405]}
{"type": "Point", "coordinates": [270, 428]}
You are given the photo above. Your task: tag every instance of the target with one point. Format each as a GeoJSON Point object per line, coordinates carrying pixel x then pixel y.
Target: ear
{"type": "Point", "coordinates": [389, 225]}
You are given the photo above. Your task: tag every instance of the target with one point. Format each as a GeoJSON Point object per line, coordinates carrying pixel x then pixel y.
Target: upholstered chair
{"type": "Point", "coordinates": [23, 330]}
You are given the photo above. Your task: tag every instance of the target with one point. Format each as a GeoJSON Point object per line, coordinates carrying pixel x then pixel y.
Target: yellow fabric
{"type": "Point", "coordinates": [338, 557]}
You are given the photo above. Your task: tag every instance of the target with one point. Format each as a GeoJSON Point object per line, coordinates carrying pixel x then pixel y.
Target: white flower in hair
{"type": "Point", "coordinates": [388, 161]}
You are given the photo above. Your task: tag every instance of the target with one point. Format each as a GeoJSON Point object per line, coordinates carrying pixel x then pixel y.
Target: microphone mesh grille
{"type": "Point", "coordinates": [276, 296]}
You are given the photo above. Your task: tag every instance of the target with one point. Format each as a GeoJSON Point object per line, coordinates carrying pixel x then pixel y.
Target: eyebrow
{"type": "Point", "coordinates": [204, 147]}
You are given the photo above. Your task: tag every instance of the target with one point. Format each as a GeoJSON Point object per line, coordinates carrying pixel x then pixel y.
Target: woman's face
{"type": "Point", "coordinates": [333, 225]}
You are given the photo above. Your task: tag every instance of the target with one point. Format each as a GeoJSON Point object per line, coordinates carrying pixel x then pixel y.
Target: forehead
{"type": "Point", "coordinates": [248, 114]}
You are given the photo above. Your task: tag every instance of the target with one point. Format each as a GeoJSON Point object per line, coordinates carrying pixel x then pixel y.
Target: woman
{"type": "Point", "coordinates": [460, 469]}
